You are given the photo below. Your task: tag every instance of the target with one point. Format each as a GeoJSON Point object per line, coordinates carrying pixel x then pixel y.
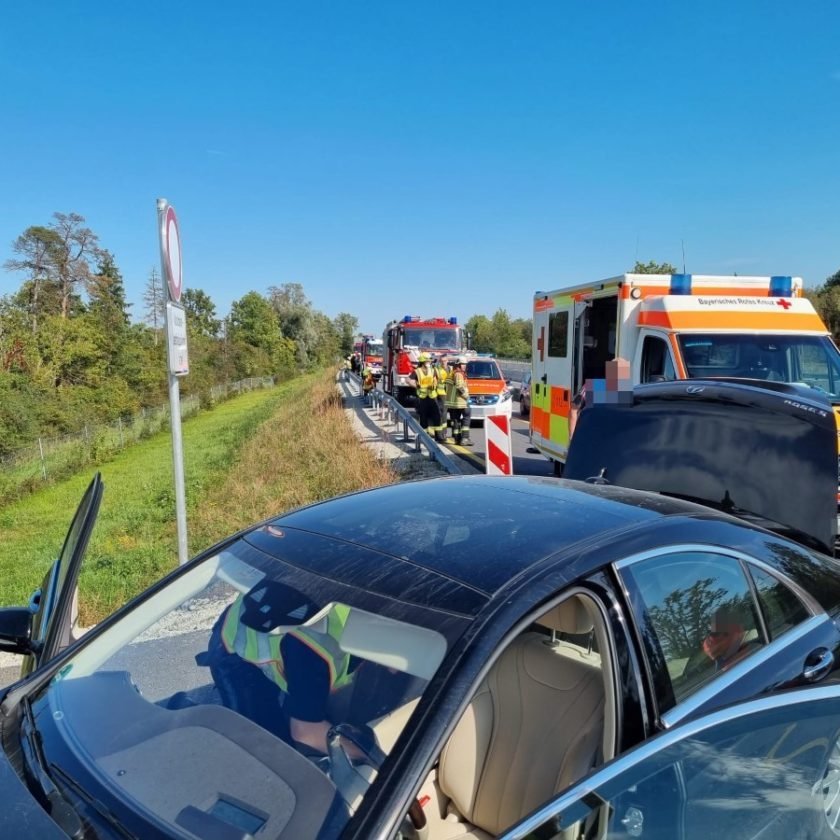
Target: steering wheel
{"type": "Point", "coordinates": [351, 783]}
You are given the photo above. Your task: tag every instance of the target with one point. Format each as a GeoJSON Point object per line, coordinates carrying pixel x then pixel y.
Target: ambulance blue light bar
{"type": "Point", "coordinates": [680, 284]}
{"type": "Point", "coordinates": [453, 320]}
{"type": "Point", "coordinates": [781, 286]}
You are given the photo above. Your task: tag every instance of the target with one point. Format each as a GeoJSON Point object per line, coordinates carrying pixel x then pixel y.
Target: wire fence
{"type": "Point", "coordinates": [51, 458]}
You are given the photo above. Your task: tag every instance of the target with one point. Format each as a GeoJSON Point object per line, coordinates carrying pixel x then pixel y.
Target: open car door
{"type": "Point", "coordinates": [54, 605]}
{"type": "Point", "coordinates": [767, 768]}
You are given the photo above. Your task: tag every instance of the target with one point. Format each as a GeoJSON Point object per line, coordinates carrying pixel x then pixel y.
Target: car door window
{"type": "Point", "coordinates": [764, 769]}
{"type": "Point", "coordinates": [697, 617]}
{"type": "Point", "coordinates": [781, 609]}
{"type": "Point", "coordinates": [656, 361]}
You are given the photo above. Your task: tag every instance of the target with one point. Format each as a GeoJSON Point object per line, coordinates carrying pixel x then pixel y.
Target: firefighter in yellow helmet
{"type": "Point", "coordinates": [425, 383]}
{"type": "Point", "coordinates": [368, 382]}
{"type": "Point", "coordinates": [441, 374]}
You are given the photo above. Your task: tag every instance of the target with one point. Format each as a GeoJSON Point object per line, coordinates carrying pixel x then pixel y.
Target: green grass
{"type": "Point", "coordinates": [135, 539]}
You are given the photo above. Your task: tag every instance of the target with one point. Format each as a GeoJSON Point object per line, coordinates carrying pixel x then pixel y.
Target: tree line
{"type": "Point", "coordinates": [70, 354]}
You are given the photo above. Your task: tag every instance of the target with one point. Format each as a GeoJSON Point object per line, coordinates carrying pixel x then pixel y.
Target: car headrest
{"type": "Point", "coordinates": [569, 616]}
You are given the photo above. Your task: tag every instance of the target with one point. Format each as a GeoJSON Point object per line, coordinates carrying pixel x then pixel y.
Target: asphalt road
{"type": "Point", "coordinates": [524, 462]}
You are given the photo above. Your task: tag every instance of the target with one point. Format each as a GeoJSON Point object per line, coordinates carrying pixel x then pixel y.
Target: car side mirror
{"type": "Point", "coordinates": [16, 630]}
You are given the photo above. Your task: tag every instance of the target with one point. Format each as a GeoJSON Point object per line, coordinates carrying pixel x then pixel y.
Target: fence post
{"type": "Point", "coordinates": [43, 462]}
{"type": "Point", "coordinates": [119, 423]}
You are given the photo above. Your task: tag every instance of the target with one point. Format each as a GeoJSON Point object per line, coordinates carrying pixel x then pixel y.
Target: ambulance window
{"type": "Point", "coordinates": [558, 334]}
{"type": "Point", "coordinates": [656, 361]}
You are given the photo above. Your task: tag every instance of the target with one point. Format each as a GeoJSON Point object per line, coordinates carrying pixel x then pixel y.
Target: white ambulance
{"type": "Point", "coordinates": [672, 326]}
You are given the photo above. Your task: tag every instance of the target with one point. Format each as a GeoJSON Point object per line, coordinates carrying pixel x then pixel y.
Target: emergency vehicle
{"type": "Point", "coordinates": [371, 355]}
{"type": "Point", "coordinates": [404, 340]}
{"type": "Point", "coordinates": [673, 326]}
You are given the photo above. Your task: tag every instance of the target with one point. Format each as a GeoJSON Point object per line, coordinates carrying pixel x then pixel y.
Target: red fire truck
{"type": "Point", "coordinates": [372, 355]}
{"type": "Point", "coordinates": [403, 341]}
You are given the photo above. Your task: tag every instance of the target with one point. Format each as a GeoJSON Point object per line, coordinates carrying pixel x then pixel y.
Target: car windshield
{"type": "Point", "coordinates": [266, 694]}
{"type": "Point", "coordinates": [803, 359]}
{"type": "Point", "coordinates": [483, 370]}
{"type": "Point", "coordinates": [428, 338]}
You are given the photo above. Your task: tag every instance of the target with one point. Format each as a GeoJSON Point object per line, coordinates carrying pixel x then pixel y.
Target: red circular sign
{"type": "Point", "coordinates": [172, 254]}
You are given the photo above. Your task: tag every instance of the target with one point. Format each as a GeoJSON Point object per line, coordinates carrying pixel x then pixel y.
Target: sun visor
{"type": "Point", "coordinates": [769, 456]}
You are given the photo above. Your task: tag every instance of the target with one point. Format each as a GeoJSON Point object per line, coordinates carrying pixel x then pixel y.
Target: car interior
{"type": "Point", "coordinates": [542, 717]}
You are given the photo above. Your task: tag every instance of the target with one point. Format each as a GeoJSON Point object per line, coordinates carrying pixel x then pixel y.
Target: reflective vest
{"type": "Point", "coordinates": [457, 391]}
{"type": "Point", "coordinates": [426, 381]}
{"type": "Point", "coordinates": [263, 649]}
{"type": "Point", "coordinates": [441, 373]}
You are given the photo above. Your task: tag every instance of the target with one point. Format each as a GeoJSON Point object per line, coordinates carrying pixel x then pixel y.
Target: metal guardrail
{"type": "Point", "coordinates": [390, 409]}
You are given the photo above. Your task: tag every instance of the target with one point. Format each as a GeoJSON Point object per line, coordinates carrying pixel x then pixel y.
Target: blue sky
{"type": "Point", "coordinates": [434, 158]}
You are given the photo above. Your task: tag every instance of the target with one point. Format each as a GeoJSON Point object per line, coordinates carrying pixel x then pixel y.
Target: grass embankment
{"type": "Point", "coordinates": [249, 458]}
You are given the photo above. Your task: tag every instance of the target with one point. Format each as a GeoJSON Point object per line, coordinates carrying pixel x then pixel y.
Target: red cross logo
{"type": "Point", "coordinates": [785, 304]}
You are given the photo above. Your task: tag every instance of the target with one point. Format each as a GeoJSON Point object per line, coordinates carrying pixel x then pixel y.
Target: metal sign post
{"type": "Point", "coordinates": [176, 354]}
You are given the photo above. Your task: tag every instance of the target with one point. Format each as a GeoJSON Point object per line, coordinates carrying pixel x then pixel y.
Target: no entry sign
{"type": "Point", "coordinates": [170, 242]}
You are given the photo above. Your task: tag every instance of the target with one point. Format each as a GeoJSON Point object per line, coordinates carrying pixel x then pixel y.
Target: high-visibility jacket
{"type": "Point", "coordinates": [367, 380]}
{"type": "Point", "coordinates": [441, 374]}
{"type": "Point", "coordinates": [426, 381]}
{"type": "Point", "coordinates": [263, 649]}
{"type": "Point", "coordinates": [457, 392]}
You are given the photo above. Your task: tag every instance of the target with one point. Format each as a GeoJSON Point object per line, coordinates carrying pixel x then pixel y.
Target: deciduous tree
{"type": "Point", "coordinates": [653, 268]}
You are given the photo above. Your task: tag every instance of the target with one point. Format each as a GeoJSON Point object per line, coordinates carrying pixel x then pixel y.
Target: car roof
{"type": "Point", "coordinates": [477, 531]}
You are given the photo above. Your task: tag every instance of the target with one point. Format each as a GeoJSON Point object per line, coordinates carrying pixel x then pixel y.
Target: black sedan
{"type": "Point", "coordinates": [435, 659]}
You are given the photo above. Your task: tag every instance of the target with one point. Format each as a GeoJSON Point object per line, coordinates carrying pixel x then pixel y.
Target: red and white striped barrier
{"type": "Point", "coordinates": [497, 436]}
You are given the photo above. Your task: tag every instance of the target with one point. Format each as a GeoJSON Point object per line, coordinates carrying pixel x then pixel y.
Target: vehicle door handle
{"type": "Point", "coordinates": [544, 379]}
{"type": "Point", "coordinates": [817, 664]}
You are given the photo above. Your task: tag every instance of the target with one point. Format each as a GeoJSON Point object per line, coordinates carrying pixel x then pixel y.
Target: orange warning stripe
{"type": "Point", "coordinates": [718, 320]}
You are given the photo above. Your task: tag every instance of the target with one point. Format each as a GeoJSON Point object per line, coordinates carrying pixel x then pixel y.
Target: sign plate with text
{"type": "Point", "coordinates": [176, 333]}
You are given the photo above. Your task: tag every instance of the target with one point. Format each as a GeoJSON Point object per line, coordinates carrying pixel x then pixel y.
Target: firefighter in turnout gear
{"type": "Point", "coordinates": [368, 382]}
{"type": "Point", "coordinates": [441, 374]}
{"type": "Point", "coordinates": [425, 380]}
{"type": "Point", "coordinates": [457, 401]}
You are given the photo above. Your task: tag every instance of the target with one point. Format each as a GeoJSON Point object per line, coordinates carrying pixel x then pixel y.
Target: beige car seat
{"type": "Point", "coordinates": [534, 726]}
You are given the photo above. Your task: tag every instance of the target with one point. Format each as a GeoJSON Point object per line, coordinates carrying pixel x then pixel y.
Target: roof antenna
{"type": "Point", "coordinates": [682, 242]}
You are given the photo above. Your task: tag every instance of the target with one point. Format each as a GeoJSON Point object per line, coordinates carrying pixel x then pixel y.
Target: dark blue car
{"type": "Point", "coordinates": [521, 635]}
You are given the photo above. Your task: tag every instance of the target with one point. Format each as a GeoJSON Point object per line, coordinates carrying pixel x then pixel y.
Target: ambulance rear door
{"type": "Point", "coordinates": [552, 356]}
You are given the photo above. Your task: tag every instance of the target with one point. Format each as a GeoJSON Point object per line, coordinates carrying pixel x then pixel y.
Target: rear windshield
{"type": "Point", "coordinates": [483, 370]}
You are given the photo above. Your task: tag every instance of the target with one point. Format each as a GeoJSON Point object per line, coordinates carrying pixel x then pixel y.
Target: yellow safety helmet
{"type": "Point", "coordinates": [423, 357]}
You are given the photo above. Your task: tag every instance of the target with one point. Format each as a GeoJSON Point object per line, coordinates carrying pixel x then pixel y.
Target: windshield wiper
{"type": "Point", "coordinates": [101, 810]}
{"type": "Point", "coordinates": [58, 803]}
{"type": "Point", "coordinates": [36, 768]}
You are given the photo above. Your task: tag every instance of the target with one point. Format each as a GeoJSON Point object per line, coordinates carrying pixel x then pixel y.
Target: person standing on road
{"type": "Point", "coordinates": [457, 401]}
{"type": "Point", "coordinates": [425, 382]}
{"type": "Point", "coordinates": [368, 382]}
{"type": "Point", "coordinates": [441, 375]}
